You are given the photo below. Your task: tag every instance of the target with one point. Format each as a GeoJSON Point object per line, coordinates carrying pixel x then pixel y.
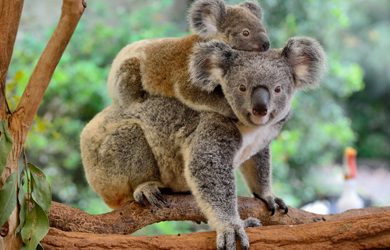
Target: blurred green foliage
{"type": "Point", "coordinates": [316, 134]}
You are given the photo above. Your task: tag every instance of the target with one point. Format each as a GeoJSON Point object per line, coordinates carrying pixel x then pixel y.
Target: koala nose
{"type": "Point", "coordinates": [260, 99]}
{"type": "Point", "coordinates": [265, 41]}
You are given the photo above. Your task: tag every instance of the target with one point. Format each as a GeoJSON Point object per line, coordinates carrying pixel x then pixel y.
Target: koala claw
{"type": "Point", "coordinates": [161, 198]}
{"type": "Point", "coordinates": [281, 204]}
{"type": "Point", "coordinates": [150, 191]}
{"type": "Point", "coordinates": [227, 238]}
{"type": "Point", "coordinates": [273, 202]}
{"type": "Point", "coordinates": [141, 200]}
{"type": "Point", "coordinates": [272, 212]}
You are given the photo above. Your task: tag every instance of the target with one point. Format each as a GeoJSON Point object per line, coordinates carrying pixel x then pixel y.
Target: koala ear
{"type": "Point", "coordinates": [205, 17]}
{"type": "Point", "coordinates": [209, 62]}
{"type": "Point", "coordinates": [253, 7]}
{"type": "Point", "coordinates": [307, 59]}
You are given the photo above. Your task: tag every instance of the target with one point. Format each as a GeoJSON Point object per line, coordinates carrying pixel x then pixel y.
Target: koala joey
{"type": "Point", "coordinates": [160, 66]}
{"type": "Point", "coordinates": [128, 154]}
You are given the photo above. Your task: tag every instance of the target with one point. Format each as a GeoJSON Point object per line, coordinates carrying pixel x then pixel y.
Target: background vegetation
{"type": "Point", "coordinates": [350, 109]}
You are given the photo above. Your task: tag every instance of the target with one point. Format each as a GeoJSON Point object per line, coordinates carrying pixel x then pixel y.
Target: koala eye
{"type": "Point", "coordinates": [245, 32]}
{"type": "Point", "coordinates": [242, 88]}
{"type": "Point", "coordinates": [278, 89]}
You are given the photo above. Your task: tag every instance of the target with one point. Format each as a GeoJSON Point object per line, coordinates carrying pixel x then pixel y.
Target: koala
{"type": "Point", "coordinates": [160, 66]}
{"type": "Point", "coordinates": [130, 154]}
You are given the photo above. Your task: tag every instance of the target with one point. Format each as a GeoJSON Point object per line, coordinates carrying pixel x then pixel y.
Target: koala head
{"type": "Point", "coordinates": [239, 26]}
{"type": "Point", "coordinates": [258, 86]}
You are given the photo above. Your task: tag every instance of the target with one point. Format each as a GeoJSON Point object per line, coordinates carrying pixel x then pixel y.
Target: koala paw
{"type": "Point", "coordinates": [273, 202]}
{"type": "Point", "coordinates": [150, 191]}
{"type": "Point", "coordinates": [252, 222]}
{"type": "Point", "coordinates": [226, 238]}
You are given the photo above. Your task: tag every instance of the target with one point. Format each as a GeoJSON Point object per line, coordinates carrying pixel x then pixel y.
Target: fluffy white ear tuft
{"type": "Point", "coordinates": [205, 16]}
{"type": "Point", "coordinates": [209, 63]}
{"type": "Point", "coordinates": [253, 7]}
{"type": "Point", "coordinates": [307, 59]}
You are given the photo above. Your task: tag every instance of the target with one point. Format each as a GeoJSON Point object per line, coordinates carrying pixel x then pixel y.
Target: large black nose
{"type": "Point", "coordinates": [260, 99]}
{"type": "Point", "coordinates": [265, 44]}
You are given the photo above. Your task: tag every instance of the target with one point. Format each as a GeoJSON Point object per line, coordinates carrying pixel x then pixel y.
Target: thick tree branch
{"type": "Point", "coordinates": [363, 232]}
{"type": "Point", "coordinates": [132, 216]}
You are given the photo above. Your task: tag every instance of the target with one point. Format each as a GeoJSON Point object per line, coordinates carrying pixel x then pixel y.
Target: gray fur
{"type": "Point", "coordinates": [254, 7]}
{"type": "Point", "coordinates": [163, 143]}
{"type": "Point", "coordinates": [205, 16]}
{"type": "Point", "coordinates": [160, 66]}
{"type": "Point", "coordinates": [308, 52]}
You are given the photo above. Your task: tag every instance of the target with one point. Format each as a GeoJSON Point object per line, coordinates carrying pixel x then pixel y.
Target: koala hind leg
{"type": "Point", "coordinates": [133, 170]}
{"type": "Point", "coordinates": [129, 83]}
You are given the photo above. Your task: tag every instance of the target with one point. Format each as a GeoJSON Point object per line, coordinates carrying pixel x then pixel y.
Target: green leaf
{"type": "Point", "coordinates": [36, 227]}
{"type": "Point", "coordinates": [5, 144]}
{"type": "Point", "coordinates": [23, 209]}
{"type": "Point", "coordinates": [8, 198]}
{"type": "Point", "coordinates": [41, 191]}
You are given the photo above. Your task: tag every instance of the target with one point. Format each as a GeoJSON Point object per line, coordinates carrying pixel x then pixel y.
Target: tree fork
{"type": "Point", "coordinates": [21, 120]}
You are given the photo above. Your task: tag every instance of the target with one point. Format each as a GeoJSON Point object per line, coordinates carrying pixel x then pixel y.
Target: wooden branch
{"type": "Point", "coordinates": [10, 12]}
{"type": "Point", "coordinates": [132, 216]}
{"type": "Point", "coordinates": [363, 232]}
{"type": "Point", "coordinates": [43, 72]}
{"type": "Point", "coordinates": [21, 120]}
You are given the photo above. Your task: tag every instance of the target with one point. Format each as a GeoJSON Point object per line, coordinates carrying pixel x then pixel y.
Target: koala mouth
{"type": "Point", "coordinates": [249, 49]}
{"type": "Point", "coordinates": [258, 120]}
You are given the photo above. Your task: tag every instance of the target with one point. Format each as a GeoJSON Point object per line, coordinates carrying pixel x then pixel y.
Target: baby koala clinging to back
{"type": "Point", "coordinates": [160, 66]}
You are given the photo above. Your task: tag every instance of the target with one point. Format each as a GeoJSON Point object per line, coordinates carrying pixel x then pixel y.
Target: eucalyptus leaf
{"type": "Point", "coordinates": [41, 191]}
{"type": "Point", "coordinates": [21, 174]}
{"type": "Point", "coordinates": [23, 209]}
{"type": "Point", "coordinates": [21, 198]}
{"type": "Point", "coordinates": [8, 198]}
{"type": "Point", "coordinates": [5, 144]}
{"type": "Point", "coordinates": [36, 227]}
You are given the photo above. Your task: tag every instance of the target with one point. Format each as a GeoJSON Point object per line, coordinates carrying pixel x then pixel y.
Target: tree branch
{"type": "Point", "coordinates": [43, 72]}
{"type": "Point", "coordinates": [132, 216]}
{"type": "Point", "coordinates": [10, 12]}
{"type": "Point", "coordinates": [363, 232]}
{"type": "Point", "coordinates": [21, 120]}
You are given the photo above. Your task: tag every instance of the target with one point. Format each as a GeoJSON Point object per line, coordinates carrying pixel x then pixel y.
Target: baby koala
{"type": "Point", "coordinates": [160, 66]}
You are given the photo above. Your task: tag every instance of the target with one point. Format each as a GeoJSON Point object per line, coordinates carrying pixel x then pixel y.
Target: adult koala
{"type": "Point", "coordinates": [161, 143]}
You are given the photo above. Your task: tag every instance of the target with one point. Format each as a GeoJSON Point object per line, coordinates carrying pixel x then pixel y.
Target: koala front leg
{"type": "Point", "coordinates": [210, 174]}
{"type": "Point", "coordinates": [128, 83]}
{"type": "Point", "coordinates": [257, 172]}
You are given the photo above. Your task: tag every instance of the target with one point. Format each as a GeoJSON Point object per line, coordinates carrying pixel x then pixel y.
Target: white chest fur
{"type": "Point", "coordinates": [253, 140]}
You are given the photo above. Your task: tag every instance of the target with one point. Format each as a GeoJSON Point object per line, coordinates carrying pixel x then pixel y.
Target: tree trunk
{"type": "Point", "coordinates": [21, 120]}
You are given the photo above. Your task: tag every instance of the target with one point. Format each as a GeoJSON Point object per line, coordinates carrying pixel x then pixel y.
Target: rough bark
{"type": "Point", "coordinates": [10, 12]}
{"type": "Point", "coordinates": [21, 120]}
{"type": "Point", "coordinates": [132, 216]}
{"type": "Point", "coordinates": [363, 232]}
